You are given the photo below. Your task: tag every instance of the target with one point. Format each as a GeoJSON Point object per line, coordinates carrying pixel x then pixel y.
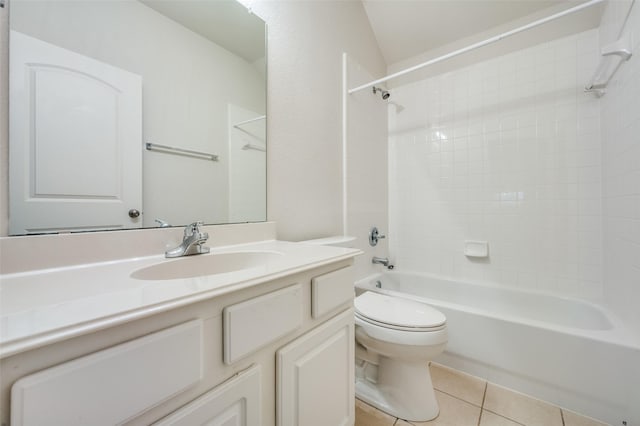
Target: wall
{"type": "Point", "coordinates": [185, 104]}
{"type": "Point", "coordinates": [4, 121]}
{"type": "Point", "coordinates": [621, 169]}
{"type": "Point", "coordinates": [507, 151]}
{"type": "Point", "coordinates": [367, 182]}
{"type": "Point", "coordinates": [304, 172]}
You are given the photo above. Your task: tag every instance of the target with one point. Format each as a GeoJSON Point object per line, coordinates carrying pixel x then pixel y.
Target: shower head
{"type": "Point", "coordinates": [384, 93]}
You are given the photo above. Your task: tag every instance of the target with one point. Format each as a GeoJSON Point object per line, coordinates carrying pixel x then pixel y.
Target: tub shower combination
{"type": "Point", "coordinates": [566, 351]}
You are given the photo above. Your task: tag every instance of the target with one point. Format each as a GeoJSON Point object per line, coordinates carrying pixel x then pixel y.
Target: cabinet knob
{"type": "Point", "coordinates": [133, 213]}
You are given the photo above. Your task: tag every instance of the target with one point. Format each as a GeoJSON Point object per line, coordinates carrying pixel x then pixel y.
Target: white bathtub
{"type": "Point", "coordinates": [569, 352]}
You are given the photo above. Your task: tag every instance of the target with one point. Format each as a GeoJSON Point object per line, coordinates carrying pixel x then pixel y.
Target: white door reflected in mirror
{"type": "Point", "coordinates": [76, 128]}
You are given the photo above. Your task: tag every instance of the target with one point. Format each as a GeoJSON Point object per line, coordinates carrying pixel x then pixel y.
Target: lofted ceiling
{"type": "Point", "coordinates": [225, 22]}
{"type": "Point", "coordinates": [407, 28]}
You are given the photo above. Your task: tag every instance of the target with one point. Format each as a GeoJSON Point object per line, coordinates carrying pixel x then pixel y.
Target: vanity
{"type": "Point", "coordinates": [256, 332]}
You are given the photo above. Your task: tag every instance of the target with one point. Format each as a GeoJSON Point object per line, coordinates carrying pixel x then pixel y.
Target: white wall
{"type": "Point", "coordinates": [306, 42]}
{"type": "Point", "coordinates": [4, 122]}
{"type": "Point", "coordinates": [185, 88]}
{"type": "Point", "coordinates": [507, 151]}
{"type": "Point", "coordinates": [367, 175]}
{"type": "Point", "coordinates": [621, 169]}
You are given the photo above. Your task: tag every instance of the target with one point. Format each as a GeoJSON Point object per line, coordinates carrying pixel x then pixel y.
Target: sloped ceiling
{"type": "Point", "coordinates": [225, 22]}
{"type": "Point", "coordinates": [407, 28]}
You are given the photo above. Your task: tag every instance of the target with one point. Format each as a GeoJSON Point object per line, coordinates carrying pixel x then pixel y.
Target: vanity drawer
{"type": "Point", "coordinates": [254, 323]}
{"type": "Point", "coordinates": [234, 402]}
{"type": "Point", "coordinates": [329, 291]}
{"type": "Point", "coordinates": [113, 385]}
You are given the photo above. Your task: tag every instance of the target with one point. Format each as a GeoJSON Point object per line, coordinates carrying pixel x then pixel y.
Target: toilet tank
{"type": "Point", "coordinates": [335, 241]}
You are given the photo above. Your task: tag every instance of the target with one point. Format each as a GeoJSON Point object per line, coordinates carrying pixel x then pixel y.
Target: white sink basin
{"type": "Point", "coordinates": [205, 264]}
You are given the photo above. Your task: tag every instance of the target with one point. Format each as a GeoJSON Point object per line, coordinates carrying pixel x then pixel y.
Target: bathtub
{"type": "Point", "coordinates": [569, 352]}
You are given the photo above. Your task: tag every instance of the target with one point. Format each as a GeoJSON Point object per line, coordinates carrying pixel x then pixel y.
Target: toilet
{"type": "Point", "coordinates": [395, 340]}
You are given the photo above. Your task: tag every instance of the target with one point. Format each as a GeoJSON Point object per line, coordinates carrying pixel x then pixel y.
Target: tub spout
{"type": "Point", "coordinates": [384, 261]}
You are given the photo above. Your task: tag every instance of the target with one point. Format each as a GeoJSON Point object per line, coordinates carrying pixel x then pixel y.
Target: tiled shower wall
{"type": "Point", "coordinates": [506, 151]}
{"type": "Point", "coordinates": [621, 168]}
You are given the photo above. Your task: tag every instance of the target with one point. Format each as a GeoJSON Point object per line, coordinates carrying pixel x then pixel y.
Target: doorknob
{"type": "Point", "coordinates": [133, 213]}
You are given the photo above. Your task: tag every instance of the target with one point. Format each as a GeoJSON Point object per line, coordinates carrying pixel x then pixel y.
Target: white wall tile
{"type": "Point", "coordinates": [510, 170]}
{"type": "Point", "coordinates": [620, 123]}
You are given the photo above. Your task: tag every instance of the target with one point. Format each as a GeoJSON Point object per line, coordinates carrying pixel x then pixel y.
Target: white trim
{"type": "Point", "coordinates": [344, 142]}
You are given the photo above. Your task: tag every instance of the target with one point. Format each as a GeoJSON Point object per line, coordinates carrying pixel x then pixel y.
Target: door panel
{"type": "Point", "coordinates": [316, 376]}
{"type": "Point", "coordinates": [75, 141]}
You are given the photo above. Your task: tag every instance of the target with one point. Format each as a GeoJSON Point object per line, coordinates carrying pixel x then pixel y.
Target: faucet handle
{"type": "Point", "coordinates": [162, 223]}
{"type": "Point", "coordinates": [374, 236]}
{"type": "Point", "coordinates": [193, 228]}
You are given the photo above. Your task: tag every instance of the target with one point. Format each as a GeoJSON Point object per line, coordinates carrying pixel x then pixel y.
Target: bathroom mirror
{"type": "Point", "coordinates": [129, 114]}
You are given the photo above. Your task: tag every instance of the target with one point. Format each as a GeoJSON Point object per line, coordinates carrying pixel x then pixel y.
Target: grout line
{"type": "Point", "coordinates": [484, 395]}
{"type": "Point", "coordinates": [562, 416]}
{"type": "Point", "coordinates": [458, 398]}
{"type": "Point", "coordinates": [504, 417]}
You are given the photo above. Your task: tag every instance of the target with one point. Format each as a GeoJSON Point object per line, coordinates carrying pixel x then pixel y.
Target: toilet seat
{"type": "Point", "coordinates": [398, 327]}
{"type": "Point", "coordinates": [397, 313]}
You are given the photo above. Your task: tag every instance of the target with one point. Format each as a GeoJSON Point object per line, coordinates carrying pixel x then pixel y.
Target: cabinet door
{"type": "Point", "coordinates": [233, 403]}
{"type": "Point", "coordinates": [316, 376]}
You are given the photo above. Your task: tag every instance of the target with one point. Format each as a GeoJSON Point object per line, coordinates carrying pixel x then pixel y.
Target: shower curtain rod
{"type": "Point", "coordinates": [251, 120]}
{"type": "Point", "coordinates": [477, 45]}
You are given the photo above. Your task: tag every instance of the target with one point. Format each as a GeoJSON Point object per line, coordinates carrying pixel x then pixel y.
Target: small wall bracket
{"type": "Point", "coordinates": [613, 55]}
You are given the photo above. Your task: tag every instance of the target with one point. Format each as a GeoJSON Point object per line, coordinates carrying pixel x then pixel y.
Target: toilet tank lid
{"type": "Point", "coordinates": [336, 240]}
{"type": "Point", "coordinates": [398, 311]}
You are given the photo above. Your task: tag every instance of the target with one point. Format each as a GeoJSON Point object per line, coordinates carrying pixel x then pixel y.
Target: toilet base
{"type": "Point", "coordinates": [403, 389]}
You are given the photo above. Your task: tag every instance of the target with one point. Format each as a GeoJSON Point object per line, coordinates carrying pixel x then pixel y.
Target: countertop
{"type": "Point", "coordinates": [44, 306]}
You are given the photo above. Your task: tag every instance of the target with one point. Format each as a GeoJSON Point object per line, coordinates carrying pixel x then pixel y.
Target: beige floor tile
{"type": "Point", "coordinates": [458, 384]}
{"type": "Point", "coordinates": [490, 419]}
{"type": "Point", "coordinates": [521, 408]}
{"type": "Point", "coordinates": [453, 412]}
{"type": "Point", "coordinates": [574, 419]}
{"type": "Point", "coordinates": [367, 415]}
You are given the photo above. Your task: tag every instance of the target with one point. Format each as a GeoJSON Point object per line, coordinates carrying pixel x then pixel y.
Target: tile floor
{"type": "Point", "coordinates": [469, 401]}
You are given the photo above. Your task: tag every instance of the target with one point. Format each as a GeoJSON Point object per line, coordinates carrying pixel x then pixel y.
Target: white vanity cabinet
{"type": "Point", "coordinates": [110, 386]}
{"type": "Point", "coordinates": [279, 352]}
{"type": "Point", "coordinates": [233, 403]}
{"type": "Point", "coordinates": [315, 382]}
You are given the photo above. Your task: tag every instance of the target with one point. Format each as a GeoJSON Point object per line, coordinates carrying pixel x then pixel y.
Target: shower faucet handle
{"type": "Point", "coordinates": [374, 236]}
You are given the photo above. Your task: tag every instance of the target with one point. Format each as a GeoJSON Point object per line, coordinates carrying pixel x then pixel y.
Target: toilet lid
{"type": "Point", "coordinates": [397, 311]}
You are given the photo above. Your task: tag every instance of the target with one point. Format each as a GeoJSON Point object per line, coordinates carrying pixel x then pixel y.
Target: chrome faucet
{"type": "Point", "coordinates": [192, 242]}
{"type": "Point", "coordinates": [384, 261]}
